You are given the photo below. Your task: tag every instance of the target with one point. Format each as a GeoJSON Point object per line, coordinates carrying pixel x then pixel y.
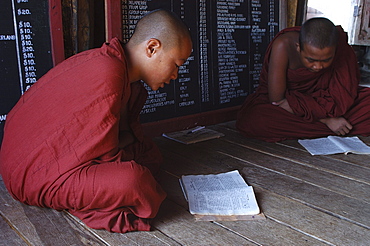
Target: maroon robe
{"type": "Point", "coordinates": [60, 146]}
{"type": "Point", "coordinates": [332, 92]}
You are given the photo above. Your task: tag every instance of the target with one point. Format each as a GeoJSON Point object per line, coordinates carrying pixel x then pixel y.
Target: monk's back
{"type": "Point", "coordinates": [59, 118]}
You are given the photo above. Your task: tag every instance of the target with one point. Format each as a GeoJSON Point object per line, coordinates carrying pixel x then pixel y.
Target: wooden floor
{"type": "Point", "coordinates": [307, 200]}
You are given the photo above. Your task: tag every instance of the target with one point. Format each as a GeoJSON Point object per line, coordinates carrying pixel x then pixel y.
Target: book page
{"type": "Point", "coordinates": [219, 194]}
{"type": "Point", "coordinates": [232, 202]}
{"type": "Point", "coordinates": [321, 146]}
{"type": "Point", "coordinates": [351, 144]}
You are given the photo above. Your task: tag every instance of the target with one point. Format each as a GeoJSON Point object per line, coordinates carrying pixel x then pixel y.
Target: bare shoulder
{"type": "Point", "coordinates": [286, 41]}
{"type": "Point", "coordinates": [284, 49]}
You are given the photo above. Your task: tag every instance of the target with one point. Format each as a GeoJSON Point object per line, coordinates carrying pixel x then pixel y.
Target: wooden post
{"type": "Point", "coordinates": [113, 12]}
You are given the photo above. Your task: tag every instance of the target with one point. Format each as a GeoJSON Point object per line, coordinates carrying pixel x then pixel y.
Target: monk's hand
{"type": "Point", "coordinates": [283, 104]}
{"type": "Point", "coordinates": [338, 125]}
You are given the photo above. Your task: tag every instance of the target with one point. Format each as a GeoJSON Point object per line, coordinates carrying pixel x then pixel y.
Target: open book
{"type": "Point", "coordinates": [334, 145]}
{"type": "Point", "coordinates": [224, 196]}
{"type": "Point", "coordinates": [193, 135]}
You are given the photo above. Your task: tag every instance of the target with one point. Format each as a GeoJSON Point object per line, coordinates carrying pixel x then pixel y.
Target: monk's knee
{"type": "Point", "coordinates": [254, 122]}
{"type": "Point", "coordinates": [117, 184]}
{"type": "Point", "coordinates": [122, 177]}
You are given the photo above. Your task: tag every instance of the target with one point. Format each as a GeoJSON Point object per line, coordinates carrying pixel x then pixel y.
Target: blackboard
{"type": "Point", "coordinates": [229, 41]}
{"type": "Point", "coordinates": [27, 47]}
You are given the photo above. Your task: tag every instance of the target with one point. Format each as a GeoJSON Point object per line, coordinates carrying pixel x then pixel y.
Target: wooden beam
{"type": "Point", "coordinates": [113, 12]}
{"type": "Point", "coordinates": [56, 31]}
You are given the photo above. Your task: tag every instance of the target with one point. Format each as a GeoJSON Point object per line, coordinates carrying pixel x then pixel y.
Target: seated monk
{"type": "Point", "coordinates": [309, 87]}
{"type": "Point", "coordinates": [74, 142]}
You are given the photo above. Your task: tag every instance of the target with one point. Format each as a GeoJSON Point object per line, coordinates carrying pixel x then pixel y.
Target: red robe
{"type": "Point", "coordinates": [60, 146]}
{"type": "Point", "coordinates": [332, 92]}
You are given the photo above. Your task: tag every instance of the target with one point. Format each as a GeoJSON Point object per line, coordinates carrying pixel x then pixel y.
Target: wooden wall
{"type": "Point", "coordinates": [84, 28]}
{"type": "Point", "coordinates": [84, 22]}
{"type": "Point", "coordinates": [296, 11]}
{"type": "Point", "coordinates": [83, 25]}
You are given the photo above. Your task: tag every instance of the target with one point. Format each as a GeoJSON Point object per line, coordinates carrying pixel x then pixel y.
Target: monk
{"type": "Point", "coordinates": [309, 87]}
{"type": "Point", "coordinates": [74, 142]}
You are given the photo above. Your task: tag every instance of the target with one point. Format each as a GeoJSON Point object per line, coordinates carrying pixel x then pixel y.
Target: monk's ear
{"type": "Point", "coordinates": [298, 47]}
{"type": "Point", "coordinates": [152, 46]}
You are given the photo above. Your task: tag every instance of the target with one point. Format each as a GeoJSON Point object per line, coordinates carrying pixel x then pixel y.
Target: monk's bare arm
{"type": "Point", "coordinates": [278, 66]}
{"type": "Point", "coordinates": [284, 104]}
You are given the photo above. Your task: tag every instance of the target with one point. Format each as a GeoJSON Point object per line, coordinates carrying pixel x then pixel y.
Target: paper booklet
{"type": "Point", "coordinates": [334, 145]}
{"type": "Point", "coordinates": [193, 135]}
{"type": "Point", "coordinates": [224, 196]}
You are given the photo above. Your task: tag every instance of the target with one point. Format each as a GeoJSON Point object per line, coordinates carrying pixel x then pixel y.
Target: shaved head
{"type": "Point", "coordinates": [319, 33]}
{"type": "Point", "coordinates": [163, 25]}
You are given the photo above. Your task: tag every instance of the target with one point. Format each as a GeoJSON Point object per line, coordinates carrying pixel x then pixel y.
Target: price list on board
{"type": "Point", "coordinates": [263, 29]}
{"type": "Point", "coordinates": [232, 49]}
{"type": "Point", "coordinates": [25, 49]}
{"type": "Point", "coordinates": [229, 40]}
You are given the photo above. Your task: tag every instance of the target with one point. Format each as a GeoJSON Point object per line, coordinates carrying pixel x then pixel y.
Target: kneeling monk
{"type": "Point", "coordinates": [309, 87]}
{"type": "Point", "coordinates": [74, 142]}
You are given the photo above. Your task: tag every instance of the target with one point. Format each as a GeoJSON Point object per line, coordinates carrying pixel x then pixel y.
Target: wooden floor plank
{"type": "Point", "coordinates": [307, 200]}
{"type": "Point", "coordinates": [131, 238]}
{"type": "Point", "coordinates": [261, 232]}
{"type": "Point", "coordinates": [177, 223]}
{"type": "Point", "coordinates": [40, 226]}
{"type": "Point", "coordinates": [340, 167]}
{"type": "Point", "coordinates": [360, 160]}
{"type": "Point", "coordinates": [310, 221]}
{"type": "Point", "coordinates": [300, 170]}
{"type": "Point", "coordinates": [183, 159]}
{"type": "Point", "coordinates": [323, 178]}
{"type": "Point", "coordinates": [350, 208]}
{"type": "Point", "coordinates": [230, 129]}
{"type": "Point", "coordinates": [8, 236]}
{"type": "Point", "coordinates": [303, 189]}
